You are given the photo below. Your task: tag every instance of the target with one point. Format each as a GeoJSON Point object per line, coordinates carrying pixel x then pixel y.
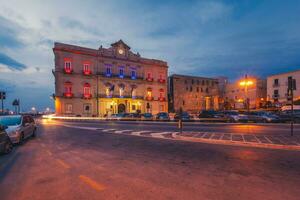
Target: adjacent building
{"type": "Point", "coordinates": [278, 85]}
{"type": "Point", "coordinates": [105, 81]}
{"type": "Point", "coordinates": [192, 93]}
{"type": "Point", "coordinates": [250, 91]}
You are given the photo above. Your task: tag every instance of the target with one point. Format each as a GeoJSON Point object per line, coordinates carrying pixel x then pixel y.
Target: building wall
{"type": "Point", "coordinates": [236, 95]}
{"type": "Point", "coordinates": [282, 87]}
{"type": "Point", "coordinates": [192, 93]}
{"type": "Point", "coordinates": [121, 89]}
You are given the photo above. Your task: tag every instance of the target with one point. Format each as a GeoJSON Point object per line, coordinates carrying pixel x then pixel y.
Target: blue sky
{"type": "Point", "coordinates": [205, 38]}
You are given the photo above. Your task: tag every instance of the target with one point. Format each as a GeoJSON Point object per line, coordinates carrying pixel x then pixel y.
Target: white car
{"type": "Point", "coordinates": [18, 127]}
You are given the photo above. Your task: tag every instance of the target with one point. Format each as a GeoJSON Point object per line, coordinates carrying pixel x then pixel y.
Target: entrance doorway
{"type": "Point", "coordinates": [121, 108]}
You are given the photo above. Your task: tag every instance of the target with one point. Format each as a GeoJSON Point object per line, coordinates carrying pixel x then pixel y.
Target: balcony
{"type": "Point", "coordinates": [119, 76]}
{"type": "Point", "coordinates": [87, 96]}
{"type": "Point", "coordinates": [149, 79]}
{"type": "Point", "coordinates": [68, 95]}
{"type": "Point", "coordinates": [275, 96]}
{"type": "Point", "coordinates": [149, 98]}
{"type": "Point", "coordinates": [68, 71]}
{"type": "Point", "coordinates": [161, 80]}
{"type": "Point", "coordinates": [161, 99]}
{"type": "Point", "coordinates": [276, 85]}
{"type": "Point", "coordinates": [86, 72]}
{"type": "Point", "coordinates": [118, 96]}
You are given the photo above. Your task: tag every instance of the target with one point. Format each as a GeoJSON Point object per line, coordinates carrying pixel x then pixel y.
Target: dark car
{"type": "Point", "coordinates": [209, 114]}
{"type": "Point", "coordinates": [162, 116]}
{"type": "Point", "coordinates": [184, 116]}
{"type": "Point", "coordinates": [268, 117]}
{"type": "Point", "coordinates": [147, 116]}
{"type": "Point", "coordinates": [286, 116]}
{"type": "Point", "coordinates": [5, 144]}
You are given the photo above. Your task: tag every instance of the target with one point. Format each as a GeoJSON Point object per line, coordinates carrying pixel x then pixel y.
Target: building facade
{"type": "Point", "coordinates": [252, 91]}
{"type": "Point", "coordinates": [192, 93]}
{"type": "Point", "coordinates": [105, 81]}
{"type": "Point", "coordinates": [277, 86]}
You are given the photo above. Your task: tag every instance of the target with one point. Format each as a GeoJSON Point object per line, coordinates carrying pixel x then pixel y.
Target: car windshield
{"type": "Point", "coordinates": [10, 120]}
{"type": "Point", "coordinates": [147, 114]}
{"type": "Point", "coordinates": [232, 113]}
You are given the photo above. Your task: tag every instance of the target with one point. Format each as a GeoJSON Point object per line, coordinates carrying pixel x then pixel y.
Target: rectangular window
{"type": "Point", "coordinates": [87, 108]}
{"type": "Point", "coordinates": [121, 72]}
{"type": "Point", "coordinates": [69, 108]}
{"type": "Point", "coordinates": [108, 71]}
{"type": "Point", "coordinates": [133, 74]}
{"type": "Point", "coordinates": [68, 67]}
{"type": "Point", "coordinates": [161, 108]}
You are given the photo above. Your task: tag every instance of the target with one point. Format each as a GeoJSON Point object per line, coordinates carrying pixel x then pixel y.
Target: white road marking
{"type": "Point", "coordinates": [108, 130]}
{"type": "Point", "coordinates": [268, 139]}
{"type": "Point", "coordinates": [158, 134]}
{"type": "Point", "coordinates": [122, 131]}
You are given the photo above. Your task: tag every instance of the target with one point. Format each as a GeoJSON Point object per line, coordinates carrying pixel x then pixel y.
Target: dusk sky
{"type": "Point", "coordinates": [205, 38]}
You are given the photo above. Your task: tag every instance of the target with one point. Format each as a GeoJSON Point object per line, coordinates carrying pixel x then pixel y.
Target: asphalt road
{"type": "Point", "coordinates": [251, 128]}
{"type": "Point", "coordinates": [70, 163]}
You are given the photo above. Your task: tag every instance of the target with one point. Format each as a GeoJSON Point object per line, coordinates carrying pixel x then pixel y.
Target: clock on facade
{"type": "Point", "coordinates": [121, 51]}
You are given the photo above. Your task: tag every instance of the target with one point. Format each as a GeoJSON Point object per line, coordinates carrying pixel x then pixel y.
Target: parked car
{"type": "Point", "coordinates": [209, 114]}
{"type": "Point", "coordinates": [147, 116]}
{"type": "Point", "coordinates": [235, 116]}
{"type": "Point", "coordinates": [267, 117]}
{"type": "Point", "coordinates": [162, 116]}
{"type": "Point", "coordinates": [286, 115]}
{"type": "Point", "coordinates": [6, 145]}
{"type": "Point", "coordinates": [19, 127]}
{"type": "Point", "coordinates": [184, 116]}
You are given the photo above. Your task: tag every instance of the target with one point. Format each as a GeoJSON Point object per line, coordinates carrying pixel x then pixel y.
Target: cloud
{"type": "Point", "coordinates": [11, 63]}
{"type": "Point", "coordinates": [8, 34]}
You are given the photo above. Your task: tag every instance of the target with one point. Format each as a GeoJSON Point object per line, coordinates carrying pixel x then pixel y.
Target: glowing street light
{"type": "Point", "coordinates": [33, 108]}
{"type": "Point", "coordinates": [246, 83]}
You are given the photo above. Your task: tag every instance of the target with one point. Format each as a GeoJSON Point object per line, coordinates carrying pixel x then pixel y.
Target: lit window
{"type": "Point", "coordinates": [87, 90]}
{"type": "Point", "coordinates": [108, 71]}
{"type": "Point", "coordinates": [86, 69]}
{"type": "Point", "coordinates": [121, 72]}
{"type": "Point", "coordinates": [133, 74]}
{"type": "Point", "coordinates": [68, 66]}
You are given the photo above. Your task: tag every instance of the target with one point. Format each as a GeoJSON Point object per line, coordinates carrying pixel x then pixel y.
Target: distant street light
{"type": "Point", "coordinates": [33, 109]}
{"type": "Point", "coordinates": [246, 83]}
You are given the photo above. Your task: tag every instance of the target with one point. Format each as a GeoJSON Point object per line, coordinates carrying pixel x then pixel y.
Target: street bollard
{"type": "Point", "coordinates": [180, 125]}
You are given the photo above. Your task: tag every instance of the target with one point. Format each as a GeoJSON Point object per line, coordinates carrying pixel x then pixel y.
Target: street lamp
{"type": "Point", "coordinates": [246, 83]}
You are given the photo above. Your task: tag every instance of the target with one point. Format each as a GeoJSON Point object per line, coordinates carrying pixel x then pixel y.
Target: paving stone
{"type": "Point", "coordinates": [226, 136]}
{"type": "Point", "coordinates": [237, 138]}
{"type": "Point", "coordinates": [216, 136]}
{"type": "Point", "coordinates": [262, 139]}
{"type": "Point", "coordinates": [207, 135]}
{"type": "Point", "coordinates": [250, 138]}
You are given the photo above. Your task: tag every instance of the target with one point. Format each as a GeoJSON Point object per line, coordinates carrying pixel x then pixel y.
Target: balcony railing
{"type": "Point", "coordinates": [120, 76]}
{"type": "Point", "coordinates": [276, 85]}
{"type": "Point", "coordinates": [86, 73]}
{"type": "Point", "coordinates": [275, 96]}
{"type": "Point", "coordinates": [68, 71]}
{"type": "Point", "coordinates": [161, 80]}
{"type": "Point", "coordinates": [68, 95]}
{"type": "Point", "coordinates": [149, 98]}
{"type": "Point", "coordinates": [86, 96]}
{"type": "Point", "coordinates": [161, 99]}
{"type": "Point", "coordinates": [149, 79]}
{"type": "Point", "coordinates": [118, 96]}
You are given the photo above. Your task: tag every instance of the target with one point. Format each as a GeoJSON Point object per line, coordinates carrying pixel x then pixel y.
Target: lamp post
{"type": "Point", "coordinates": [246, 83]}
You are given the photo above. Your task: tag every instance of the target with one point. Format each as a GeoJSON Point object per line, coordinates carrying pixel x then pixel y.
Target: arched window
{"type": "Point", "coordinates": [87, 90]}
{"type": "Point", "coordinates": [149, 94]}
{"type": "Point", "coordinates": [87, 68]}
{"type": "Point", "coordinates": [68, 65]}
{"type": "Point", "coordinates": [161, 95]}
{"type": "Point", "coordinates": [133, 91]}
{"type": "Point", "coordinates": [121, 90]}
{"type": "Point", "coordinates": [68, 89]}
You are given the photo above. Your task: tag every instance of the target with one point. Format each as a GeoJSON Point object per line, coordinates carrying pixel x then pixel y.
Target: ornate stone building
{"type": "Point", "coordinates": [104, 81]}
{"type": "Point", "coordinates": [193, 93]}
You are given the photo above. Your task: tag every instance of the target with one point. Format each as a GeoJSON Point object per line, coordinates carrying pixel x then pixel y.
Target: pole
{"type": "Point", "coordinates": [2, 106]}
{"type": "Point", "coordinates": [292, 108]}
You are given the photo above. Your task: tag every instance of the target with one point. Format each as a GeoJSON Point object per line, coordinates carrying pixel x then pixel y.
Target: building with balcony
{"type": "Point", "coordinates": [277, 86]}
{"type": "Point", "coordinates": [193, 93]}
{"type": "Point", "coordinates": [250, 90]}
{"type": "Point", "coordinates": [104, 81]}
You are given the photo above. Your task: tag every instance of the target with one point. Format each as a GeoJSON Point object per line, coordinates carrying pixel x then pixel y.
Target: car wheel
{"type": "Point", "coordinates": [33, 133]}
{"type": "Point", "coordinates": [8, 147]}
{"type": "Point", "coordinates": [22, 138]}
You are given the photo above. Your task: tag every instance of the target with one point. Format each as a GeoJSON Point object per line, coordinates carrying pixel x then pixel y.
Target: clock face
{"type": "Point", "coordinates": [121, 51]}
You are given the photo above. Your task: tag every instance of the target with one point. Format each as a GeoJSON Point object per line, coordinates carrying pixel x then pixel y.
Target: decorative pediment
{"type": "Point", "coordinates": [121, 44]}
